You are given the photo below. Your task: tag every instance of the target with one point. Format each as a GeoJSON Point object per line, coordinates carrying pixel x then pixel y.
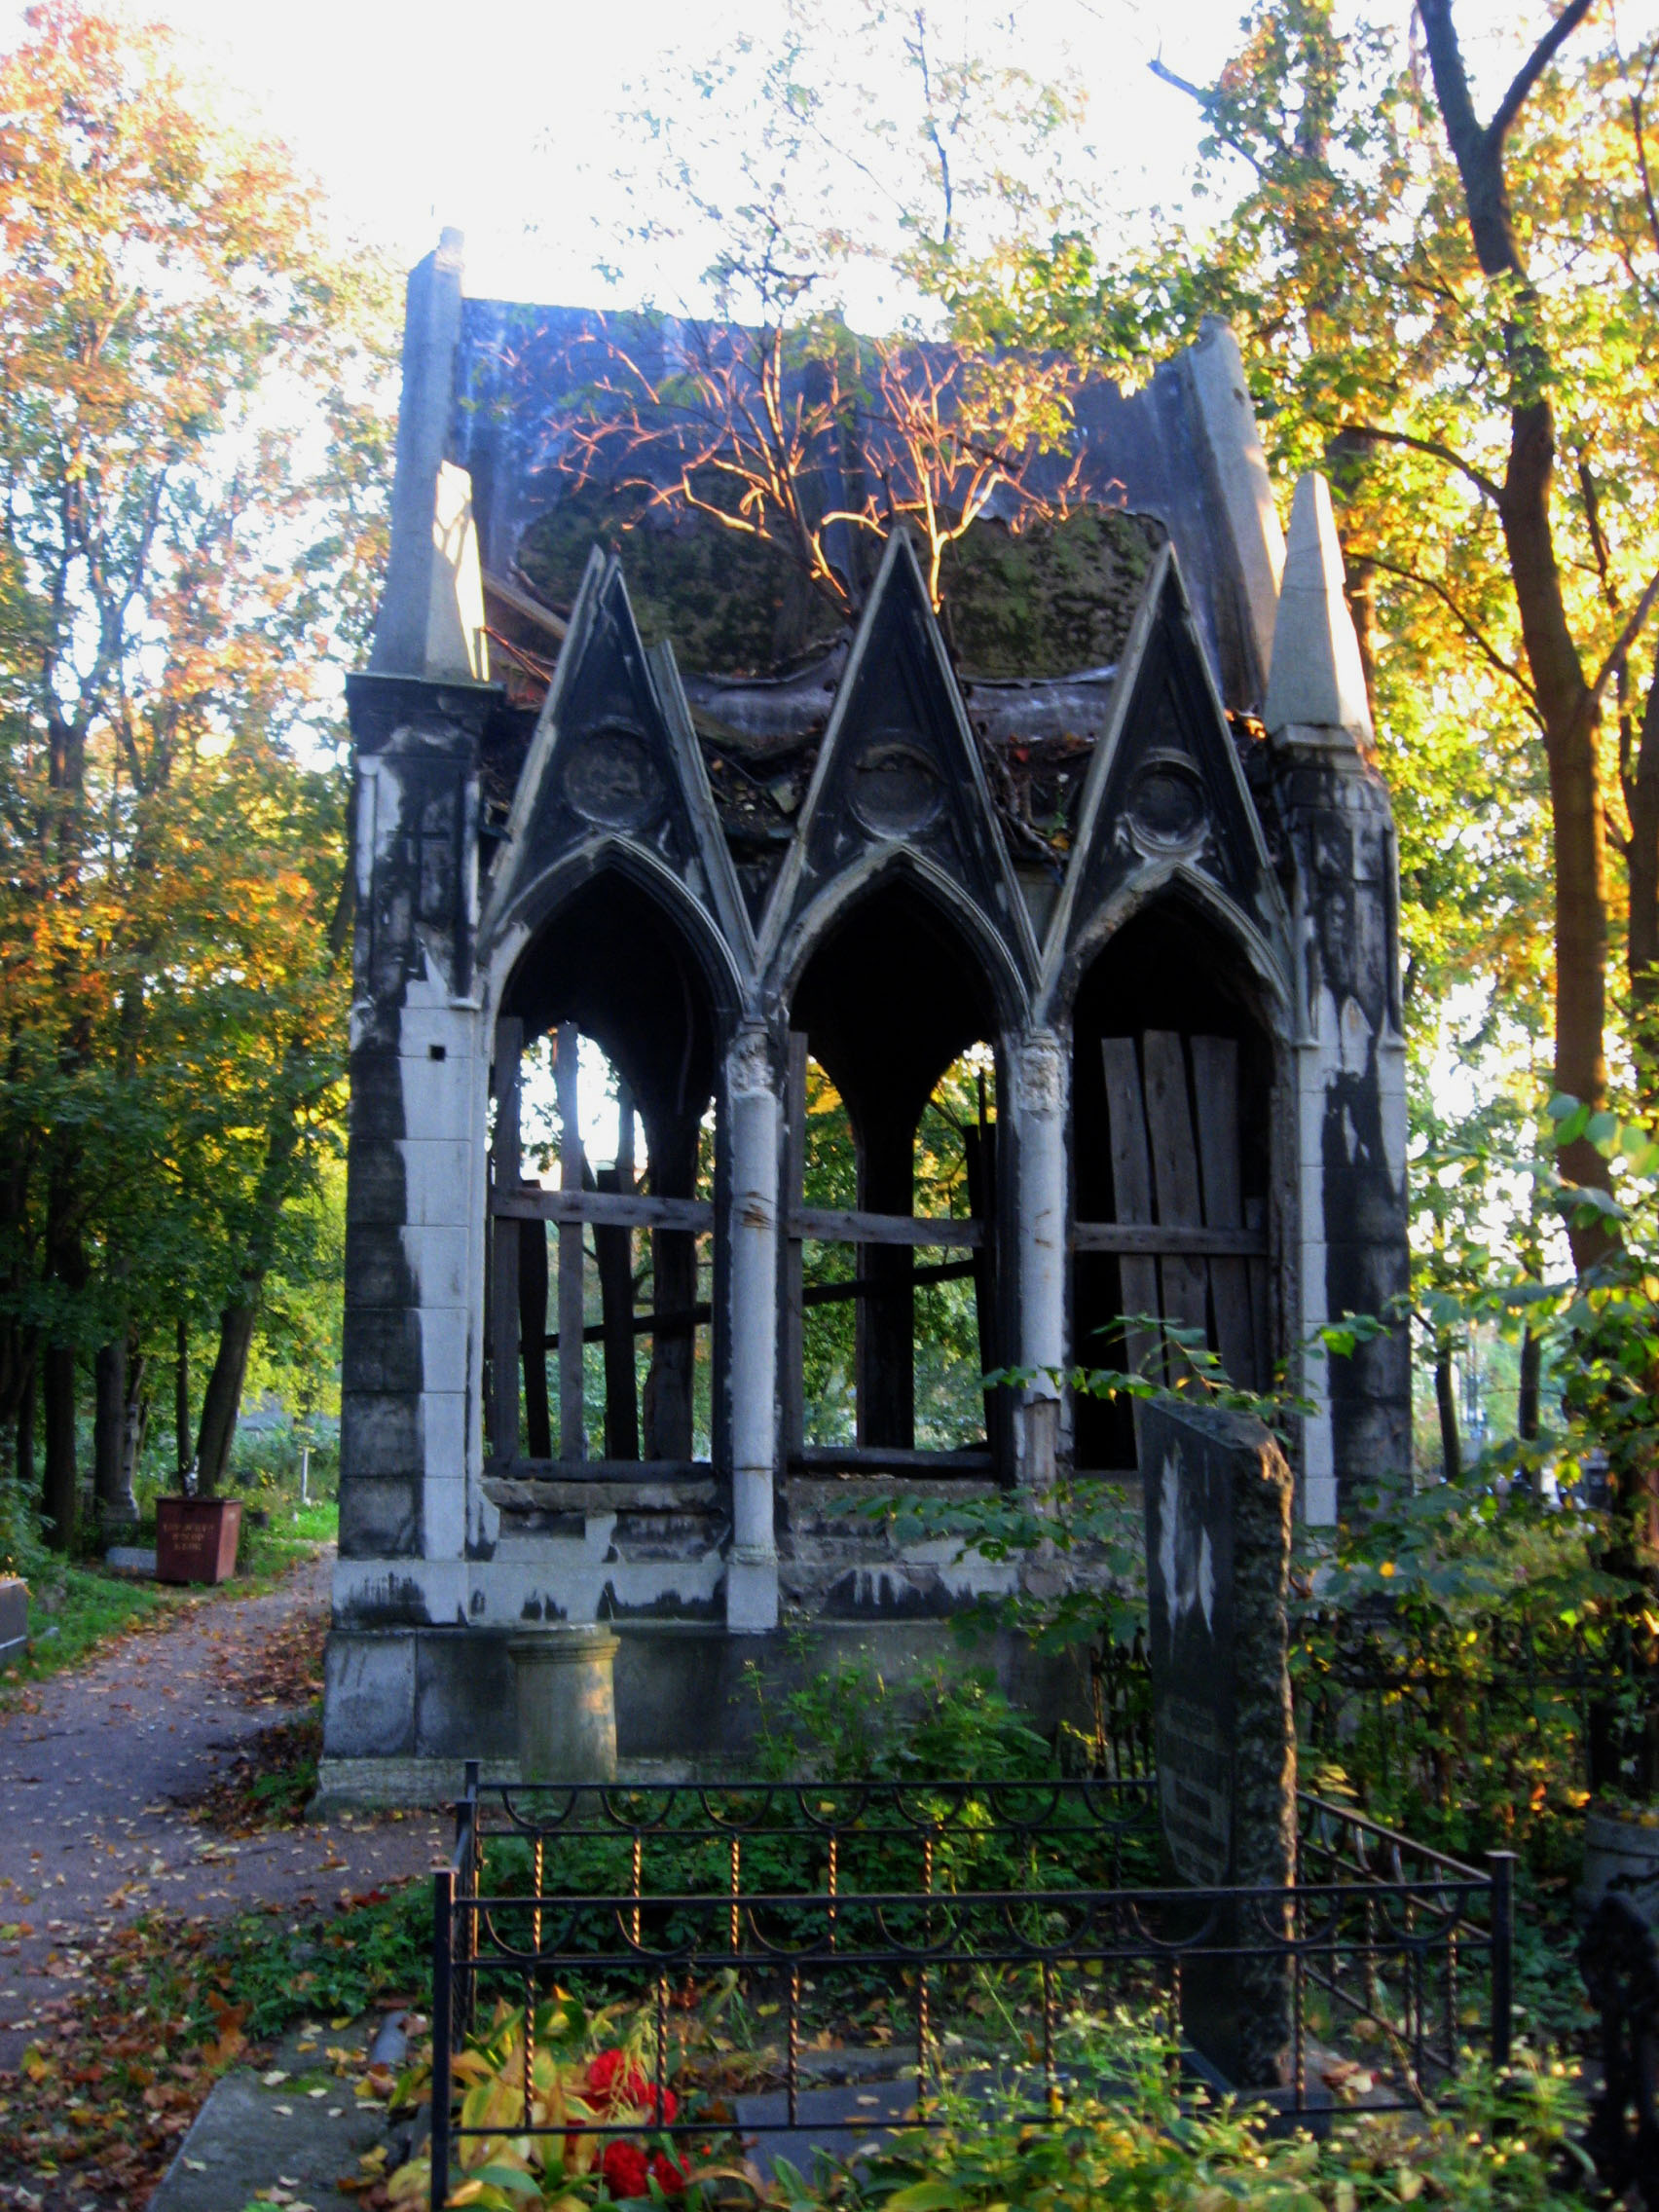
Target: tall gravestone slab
{"type": "Point", "coordinates": [1218, 1501]}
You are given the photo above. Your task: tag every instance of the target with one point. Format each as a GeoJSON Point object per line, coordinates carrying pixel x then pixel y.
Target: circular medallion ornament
{"type": "Point", "coordinates": [1166, 802]}
{"type": "Point", "coordinates": [897, 791]}
{"type": "Point", "coordinates": [611, 781]}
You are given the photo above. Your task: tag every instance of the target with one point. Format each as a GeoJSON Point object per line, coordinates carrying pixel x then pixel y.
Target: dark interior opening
{"type": "Point", "coordinates": [1166, 971]}
{"type": "Point", "coordinates": [611, 961]}
{"type": "Point", "coordinates": [888, 1003]}
{"type": "Point", "coordinates": [611, 964]}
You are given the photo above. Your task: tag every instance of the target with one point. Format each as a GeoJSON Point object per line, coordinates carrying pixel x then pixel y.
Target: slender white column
{"type": "Point", "coordinates": [752, 1566]}
{"type": "Point", "coordinates": [1040, 1097]}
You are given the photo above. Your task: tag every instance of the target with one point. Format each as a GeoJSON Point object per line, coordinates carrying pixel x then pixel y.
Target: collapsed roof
{"type": "Point", "coordinates": [1035, 611]}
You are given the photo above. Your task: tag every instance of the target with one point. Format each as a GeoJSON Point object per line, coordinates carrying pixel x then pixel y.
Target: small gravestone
{"type": "Point", "coordinates": [1218, 1495]}
{"type": "Point", "coordinates": [13, 1615]}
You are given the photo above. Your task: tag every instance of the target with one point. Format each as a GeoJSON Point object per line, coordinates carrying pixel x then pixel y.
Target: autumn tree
{"type": "Point", "coordinates": [191, 445]}
{"type": "Point", "coordinates": [1449, 307]}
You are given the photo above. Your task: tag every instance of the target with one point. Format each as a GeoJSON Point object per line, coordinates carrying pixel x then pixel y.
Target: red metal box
{"type": "Point", "coordinates": [196, 1538]}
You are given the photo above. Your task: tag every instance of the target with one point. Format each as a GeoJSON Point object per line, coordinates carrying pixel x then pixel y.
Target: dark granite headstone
{"type": "Point", "coordinates": [1218, 1497]}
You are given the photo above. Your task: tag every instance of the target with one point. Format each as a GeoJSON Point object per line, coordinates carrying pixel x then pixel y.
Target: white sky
{"type": "Point", "coordinates": [494, 117]}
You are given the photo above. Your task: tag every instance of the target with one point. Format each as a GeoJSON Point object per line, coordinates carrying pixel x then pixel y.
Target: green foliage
{"type": "Point", "coordinates": [846, 1723]}
{"type": "Point", "coordinates": [75, 1610]}
{"type": "Point", "coordinates": [285, 1971]}
{"type": "Point", "coordinates": [23, 1546]}
{"type": "Point", "coordinates": [1494, 2142]}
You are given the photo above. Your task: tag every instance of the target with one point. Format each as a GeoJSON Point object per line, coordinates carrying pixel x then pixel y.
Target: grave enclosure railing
{"type": "Point", "coordinates": [960, 1903]}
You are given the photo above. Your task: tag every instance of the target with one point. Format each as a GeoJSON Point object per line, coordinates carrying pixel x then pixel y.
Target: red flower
{"type": "Point", "coordinates": [612, 2080]}
{"type": "Point", "coordinates": [667, 2174]}
{"type": "Point", "coordinates": [625, 2171]}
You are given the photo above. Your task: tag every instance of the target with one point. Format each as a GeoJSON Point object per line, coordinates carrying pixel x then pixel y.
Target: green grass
{"type": "Point", "coordinates": [82, 1608]}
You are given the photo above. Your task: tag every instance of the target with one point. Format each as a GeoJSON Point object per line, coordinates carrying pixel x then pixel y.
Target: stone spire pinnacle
{"type": "Point", "coordinates": [1316, 680]}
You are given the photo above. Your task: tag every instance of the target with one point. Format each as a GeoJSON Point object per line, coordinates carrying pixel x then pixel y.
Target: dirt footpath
{"type": "Point", "coordinates": [95, 1765]}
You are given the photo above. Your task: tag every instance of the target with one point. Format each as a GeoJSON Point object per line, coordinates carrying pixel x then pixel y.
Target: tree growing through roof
{"type": "Point", "coordinates": [801, 435]}
{"type": "Point", "coordinates": [771, 418]}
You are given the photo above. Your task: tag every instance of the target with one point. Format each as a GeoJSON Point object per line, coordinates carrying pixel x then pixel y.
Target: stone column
{"type": "Point", "coordinates": [1039, 1101]}
{"type": "Point", "coordinates": [753, 1121]}
{"type": "Point", "coordinates": [414, 1169]}
{"type": "Point", "coordinates": [1351, 1104]}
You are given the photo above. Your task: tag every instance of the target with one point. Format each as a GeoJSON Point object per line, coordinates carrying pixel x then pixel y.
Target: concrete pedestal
{"type": "Point", "coordinates": [566, 1704]}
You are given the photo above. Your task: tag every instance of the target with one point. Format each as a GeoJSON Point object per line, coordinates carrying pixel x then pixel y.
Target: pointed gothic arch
{"type": "Point", "coordinates": [607, 947]}
{"type": "Point", "coordinates": [898, 979]}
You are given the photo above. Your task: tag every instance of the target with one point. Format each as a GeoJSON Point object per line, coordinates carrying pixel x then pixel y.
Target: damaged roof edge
{"type": "Point", "coordinates": [483, 379]}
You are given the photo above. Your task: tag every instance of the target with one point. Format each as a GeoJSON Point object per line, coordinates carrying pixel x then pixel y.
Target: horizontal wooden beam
{"type": "Point", "coordinates": [608, 1209]}
{"type": "Point", "coordinates": [514, 1494]}
{"type": "Point", "coordinates": [821, 1227]}
{"type": "Point", "coordinates": [687, 1318]}
{"type": "Point", "coordinates": [1157, 1237]}
{"type": "Point", "coordinates": [863, 1286]}
{"type": "Point", "coordinates": [599, 1470]}
{"type": "Point", "coordinates": [879, 1459]}
{"type": "Point", "coordinates": [676, 1324]}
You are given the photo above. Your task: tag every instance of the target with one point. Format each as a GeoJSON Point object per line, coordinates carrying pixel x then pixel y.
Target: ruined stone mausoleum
{"type": "Point", "coordinates": [1072, 909]}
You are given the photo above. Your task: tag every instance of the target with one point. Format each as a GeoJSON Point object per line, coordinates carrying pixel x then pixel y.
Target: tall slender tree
{"type": "Point", "coordinates": [190, 452]}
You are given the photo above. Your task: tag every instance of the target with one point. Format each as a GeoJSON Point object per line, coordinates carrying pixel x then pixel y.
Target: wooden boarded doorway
{"type": "Point", "coordinates": [1172, 1102]}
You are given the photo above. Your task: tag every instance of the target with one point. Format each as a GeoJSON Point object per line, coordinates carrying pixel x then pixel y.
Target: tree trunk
{"type": "Point", "coordinates": [116, 1504]}
{"type": "Point", "coordinates": [182, 1399]}
{"type": "Point", "coordinates": [1446, 1401]}
{"type": "Point", "coordinates": [1527, 1403]}
{"type": "Point", "coordinates": [1564, 697]}
{"type": "Point", "coordinates": [223, 1398]}
{"type": "Point", "coordinates": [26, 1421]}
{"type": "Point", "coordinates": [61, 1483]}
{"type": "Point", "coordinates": [138, 1421]}
{"type": "Point", "coordinates": [1641, 804]}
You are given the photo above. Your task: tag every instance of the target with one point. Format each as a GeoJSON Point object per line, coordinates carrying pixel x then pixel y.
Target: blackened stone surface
{"type": "Point", "coordinates": [1218, 1496]}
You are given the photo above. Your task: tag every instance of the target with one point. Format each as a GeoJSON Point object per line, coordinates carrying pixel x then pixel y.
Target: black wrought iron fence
{"type": "Point", "coordinates": [992, 1917]}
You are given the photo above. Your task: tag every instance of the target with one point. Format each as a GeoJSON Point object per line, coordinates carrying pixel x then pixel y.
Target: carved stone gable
{"type": "Point", "coordinates": [1166, 791]}
{"type": "Point", "coordinates": [614, 758]}
{"type": "Point", "coordinates": [900, 769]}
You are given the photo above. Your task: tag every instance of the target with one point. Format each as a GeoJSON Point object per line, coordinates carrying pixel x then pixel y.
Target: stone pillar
{"type": "Point", "coordinates": [414, 1197]}
{"type": "Point", "coordinates": [1040, 1121]}
{"type": "Point", "coordinates": [1350, 1102]}
{"type": "Point", "coordinates": [754, 1122]}
{"type": "Point", "coordinates": [1218, 1494]}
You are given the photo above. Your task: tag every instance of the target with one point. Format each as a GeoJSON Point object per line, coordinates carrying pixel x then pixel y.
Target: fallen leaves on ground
{"type": "Point", "coordinates": [94, 2114]}
{"type": "Point", "coordinates": [272, 1778]}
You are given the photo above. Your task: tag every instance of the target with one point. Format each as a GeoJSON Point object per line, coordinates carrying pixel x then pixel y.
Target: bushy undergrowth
{"type": "Point", "coordinates": [1498, 2142]}
{"type": "Point", "coordinates": [1129, 2135]}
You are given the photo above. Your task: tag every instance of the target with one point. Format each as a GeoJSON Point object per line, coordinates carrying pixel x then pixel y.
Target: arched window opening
{"type": "Point", "coordinates": [892, 1120]}
{"type": "Point", "coordinates": [1172, 1117]}
{"type": "Point", "coordinates": [602, 1198]}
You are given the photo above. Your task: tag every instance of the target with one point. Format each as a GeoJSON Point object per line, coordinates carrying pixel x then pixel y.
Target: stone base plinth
{"type": "Point", "coordinates": [566, 1703]}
